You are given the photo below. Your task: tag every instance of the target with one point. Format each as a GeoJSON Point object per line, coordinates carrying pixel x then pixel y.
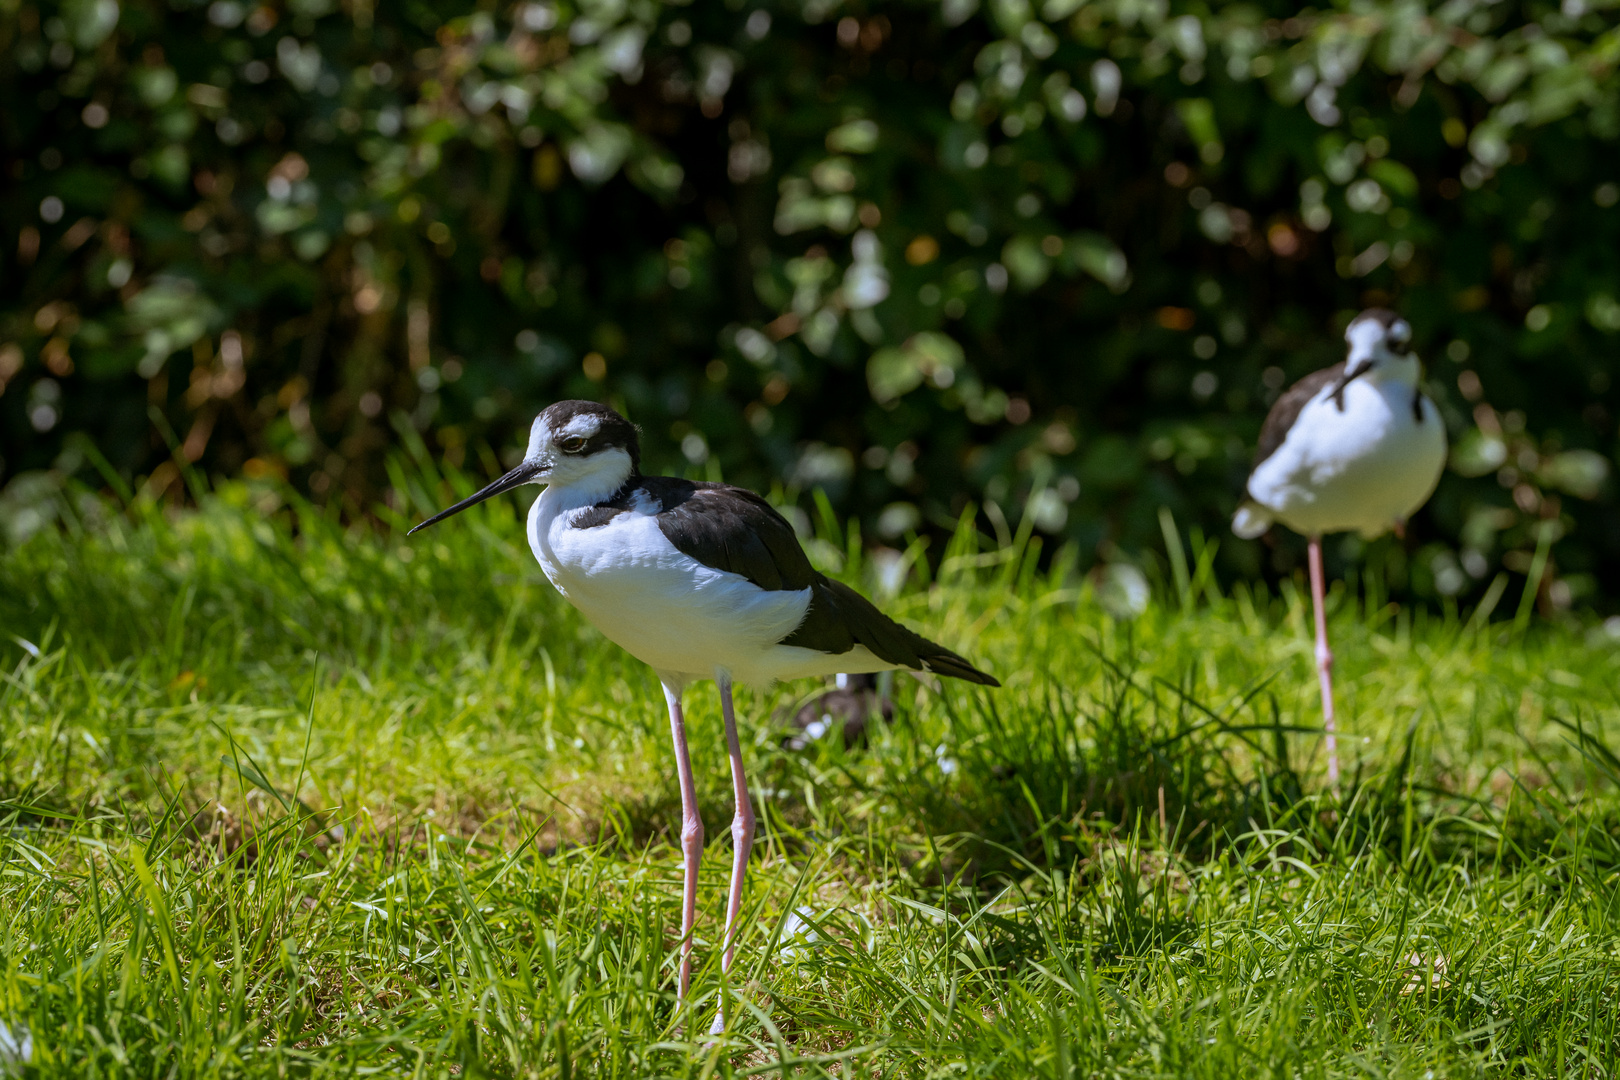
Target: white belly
{"type": "Point", "coordinates": [1362, 468]}
{"type": "Point", "coordinates": [663, 607]}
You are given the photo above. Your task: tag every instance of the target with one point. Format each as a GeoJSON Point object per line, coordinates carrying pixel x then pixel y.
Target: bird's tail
{"type": "Point", "coordinates": [1251, 520]}
{"type": "Point", "coordinates": [941, 661]}
{"type": "Point", "coordinates": [840, 618]}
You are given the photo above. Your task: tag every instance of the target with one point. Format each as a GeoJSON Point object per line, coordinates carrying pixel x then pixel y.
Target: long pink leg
{"type": "Point", "coordinates": [691, 831]}
{"type": "Point", "coordinates": [742, 836]}
{"type": "Point", "coordinates": [1324, 659]}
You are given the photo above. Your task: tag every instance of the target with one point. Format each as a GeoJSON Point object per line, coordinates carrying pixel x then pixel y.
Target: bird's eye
{"type": "Point", "coordinates": [572, 445]}
{"type": "Point", "coordinates": [1400, 338]}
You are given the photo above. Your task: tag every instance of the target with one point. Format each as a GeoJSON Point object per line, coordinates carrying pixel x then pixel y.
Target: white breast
{"type": "Point", "coordinates": [663, 607]}
{"type": "Point", "coordinates": [1361, 468]}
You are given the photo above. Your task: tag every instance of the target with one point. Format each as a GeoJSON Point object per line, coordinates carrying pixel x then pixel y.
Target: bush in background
{"type": "Point", "coordinates": [1054, 257]}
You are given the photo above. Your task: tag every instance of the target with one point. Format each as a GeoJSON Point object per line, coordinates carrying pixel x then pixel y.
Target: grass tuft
{"type": "Point", "coordinates": [282, 796]}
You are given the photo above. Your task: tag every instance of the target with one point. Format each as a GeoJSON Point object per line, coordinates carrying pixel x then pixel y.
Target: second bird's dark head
{"type": "Point", "coordinates": [581, 444]}
{"type": "Point", "coordinates": [1378, 339]}
{"type": "Point", "coordinates": [1378, 333]}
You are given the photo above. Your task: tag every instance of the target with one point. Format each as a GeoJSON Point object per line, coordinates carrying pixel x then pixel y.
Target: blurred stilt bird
{"type": "Point", "coordinates": [1357, 446]}
{"type": "Point", "coordinates": [700, 581]}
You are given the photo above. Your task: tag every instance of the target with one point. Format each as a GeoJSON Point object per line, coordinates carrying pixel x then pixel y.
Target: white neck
{"type": "Point", "coordinates": [574, 484]}
{"type": "Point", "coordinates": [1397, 370]}
{"type": "Point", "coordinates": [1388, 368]}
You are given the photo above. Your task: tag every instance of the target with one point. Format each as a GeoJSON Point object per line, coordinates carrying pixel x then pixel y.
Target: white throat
{"type": "Point", "coordinates": [1395, 370]}
{"type": "Point", "coordinates": [1366, 341]}
{"type": "Point", "coordinates": [578, 482]}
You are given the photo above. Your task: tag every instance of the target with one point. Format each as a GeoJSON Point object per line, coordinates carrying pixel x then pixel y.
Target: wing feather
{"type": "Point", "coordinates": [733, 529]}
{"type": "Point", "coordinates": [1287, 408]}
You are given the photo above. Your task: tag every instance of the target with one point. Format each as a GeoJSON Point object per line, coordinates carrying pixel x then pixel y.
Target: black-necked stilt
{"type": "Point", "coordinates": [1356, 446]}
{"type": "Point", "coordinates": [700, 581]}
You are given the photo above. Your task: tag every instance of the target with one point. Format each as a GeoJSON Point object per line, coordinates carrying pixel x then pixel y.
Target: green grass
{"type": "Point", "coordinates": [287, 798]}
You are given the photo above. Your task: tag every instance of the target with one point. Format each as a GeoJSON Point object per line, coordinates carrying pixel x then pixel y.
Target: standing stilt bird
{"type": "Point", "coordinates": [700, 581]}
{"type": "Point", "coordinates": [1354, 446]}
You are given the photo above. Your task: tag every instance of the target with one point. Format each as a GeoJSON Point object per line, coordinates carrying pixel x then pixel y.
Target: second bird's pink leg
{"type": "Point", "coordinates": [742, 838]}
{"type": "Point", "coordinates": [691, 833]}
{"type": "Point", "coordinates": [1324, 658]}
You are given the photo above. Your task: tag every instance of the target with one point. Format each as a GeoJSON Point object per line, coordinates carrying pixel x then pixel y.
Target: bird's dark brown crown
{"type": "Point", "coordinates": [1382, 316]}
{"type": "Point", "coordinates": [613, 431]}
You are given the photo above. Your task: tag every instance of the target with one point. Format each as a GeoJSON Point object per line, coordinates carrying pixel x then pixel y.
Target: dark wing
{"type": "Point", "coordinates": [841, 618]}
{"type": "Point", "coordinates": [1287, 409]}
{"type": "Point", "coordinates": [732, 529]}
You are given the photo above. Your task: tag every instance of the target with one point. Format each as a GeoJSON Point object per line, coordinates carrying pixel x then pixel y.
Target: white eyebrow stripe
{"type": "Point", "coordinates": [581, 427]}
{"type": "Point", "coordinates": [1363, 337]}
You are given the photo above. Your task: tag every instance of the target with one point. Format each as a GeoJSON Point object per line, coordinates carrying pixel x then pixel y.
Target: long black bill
{"type": "Point", "coordinates": [525, 473]}
{"type": "Point", "coordinates": [1344, 380]}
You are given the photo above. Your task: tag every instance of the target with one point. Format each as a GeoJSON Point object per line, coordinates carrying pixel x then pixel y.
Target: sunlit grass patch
{"type": "Point", "coordinates": [287, 797]}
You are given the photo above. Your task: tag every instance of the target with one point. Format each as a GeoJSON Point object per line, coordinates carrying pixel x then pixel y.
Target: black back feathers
{"type": "Point", "coordinates": [733, 529]}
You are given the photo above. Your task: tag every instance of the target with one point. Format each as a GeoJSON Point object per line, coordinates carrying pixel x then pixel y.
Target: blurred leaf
{"type": "Point", "coordinates": [1478, 453]}
{"type": "Point", "coordinates": [1074, 248]}
{"type": "Point", "coordinates": [1026, 262]}
{"type": "Point", "coordinates": [90, 21]}
{"type": "Point", "coordinates": [1579, 472]}
{"type": "Point", "coordinates": [855, 137]}
{"type": "Point", "coordinates": [892, 373]}
{"type": "Point", "coordinates": [1395, 177]}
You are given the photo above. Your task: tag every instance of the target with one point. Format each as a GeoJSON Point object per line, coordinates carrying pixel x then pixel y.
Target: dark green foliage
{"type": "Point", "coordinates": [1058, 256]}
